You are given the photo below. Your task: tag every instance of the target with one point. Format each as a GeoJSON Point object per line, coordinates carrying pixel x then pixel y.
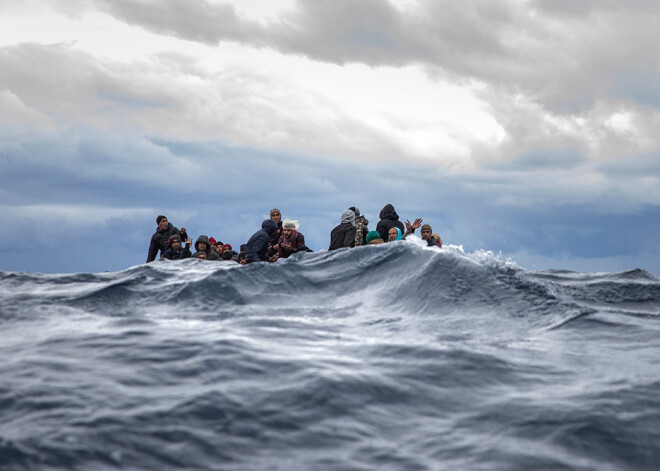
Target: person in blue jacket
{"type": "Point", "coordinates": [256, 249]}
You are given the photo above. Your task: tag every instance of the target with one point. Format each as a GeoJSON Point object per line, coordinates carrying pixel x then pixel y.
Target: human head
{"type": "Point", "coordinates": [371, 235]}
{"type": "Point", "coordinates": [276, 215]}
{"type": "Point", "coordinates": [200, 255]}
{"type": "Point", "coordinates": [269, 225]}
{"type": "Point", "coordinates": [213, 242]}
{"type": "Point", "coordinates": [356, 210]}
{"type": "Point", "coordinates": [226, 248]}
{"type": "Point", "coordinates": [391, 235]}
{"type": "Point", "coordinates": [348, 216]}
{"type": "Point", "coordinates": [394, 234]}
{"type": "Point", "coordinates": [426, 231]}
{"type": "Point", "coordinates": [162, 222]}
{"type": "Point", "coordinates": [175, 242]}
{"type": "Point", "coordinates": [288, 226]}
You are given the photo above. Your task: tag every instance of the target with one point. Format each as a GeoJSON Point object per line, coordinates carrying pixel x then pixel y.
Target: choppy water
{"type": "Point", "coordinates": [394, 357]}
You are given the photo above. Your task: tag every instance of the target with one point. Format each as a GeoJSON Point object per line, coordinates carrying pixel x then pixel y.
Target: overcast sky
{"type": "Point", "coordinates": [526, 127]}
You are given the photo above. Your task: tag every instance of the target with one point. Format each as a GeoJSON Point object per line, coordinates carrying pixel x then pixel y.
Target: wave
{"type": "Point", "coordinates": [396, 356]}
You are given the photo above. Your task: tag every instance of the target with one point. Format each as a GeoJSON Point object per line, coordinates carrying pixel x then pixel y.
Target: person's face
{"type": "Point", "coordinates": [277, 217]}
{"type": "Point", "coordinates": [392, 235]}
{"type": "Point", "coordinates": [287, 231]}
{"type": "Point", "coordinates": [426, 234]}
{"type": "Point", "coordinates": [163, 224]}
{"type": "Point", "coordinates": [201, 247]}
{"type": "Point", "coordinates": [176, 244]}
{"type": "Point", "coordinates": [226, 249]}
{"type": "Point", "coordinates": [218, 249]}
{"type": "Point", "coordinates": [202, 256]}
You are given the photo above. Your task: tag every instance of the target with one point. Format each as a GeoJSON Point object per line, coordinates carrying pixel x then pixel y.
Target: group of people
{"type": "Point", "coordinates": [279, 238]}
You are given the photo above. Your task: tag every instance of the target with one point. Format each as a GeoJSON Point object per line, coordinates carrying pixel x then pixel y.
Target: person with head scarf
{"type": "Point", "coordinates": [291, 240]}
{"type": "Point", "coordinates": [343, 235]}
{"type": "Point", "coordinates": [394, 234]}
{"type": "Point", "coordinates": [388, 219]}
{"type": "Point", "coordinates": [256, 248]}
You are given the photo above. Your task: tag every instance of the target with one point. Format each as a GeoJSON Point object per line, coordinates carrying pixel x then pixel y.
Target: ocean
{"type": "Point", "coordinates": [390, 357]}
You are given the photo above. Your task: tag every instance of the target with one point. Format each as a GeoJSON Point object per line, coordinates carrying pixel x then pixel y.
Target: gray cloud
{"type": "Point", "coordinates": [565, 55]}
{"type": "Point", "coordinates": [86, 189]}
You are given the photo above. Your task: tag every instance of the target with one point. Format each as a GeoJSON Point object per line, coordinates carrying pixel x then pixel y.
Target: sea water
{"type": "Point", "coordinates": [391, 357]}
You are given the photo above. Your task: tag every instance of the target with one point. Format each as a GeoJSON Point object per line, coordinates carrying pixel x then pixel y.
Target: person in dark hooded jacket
{"type": "Point", "coordinates": [176, 251]}
{"type": "Point", "coordinates": [343, 235]}
{"type": "Point", "coordinates": [160, 240]}
{"type": "Point", "coordinates": [256, 249]}
{"type": "Point", "coordinates": [203, 244]}
{"type": "Point", "coordinates": [388, 219]}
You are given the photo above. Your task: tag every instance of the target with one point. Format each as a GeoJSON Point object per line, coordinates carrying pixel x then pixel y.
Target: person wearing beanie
{"type": "Point", "coordinates": [373, 238]}
{"type": "Point", "coordinates": [426, 232]}
{"type": "Point", "coordinates": [203, 244]}
{"type": "Point", "coordinates": [388, 219]}
{"type": "Point", "coordinates": [228, 253]}
{"type": "Point", "coordinates": [176, 251]}
{"type": "Point", "coordinates": [291, 240]}
{"type": "Point", "coordinates": [343, 235]}
{"type": "Point", "coordinates": [256, 249]}
{"type": "Point", "coordinates": [275, 215]}
{"type": "Point", "coordinates": [361, 228]}
{"type": "Point", "coordinates": [160, 239]}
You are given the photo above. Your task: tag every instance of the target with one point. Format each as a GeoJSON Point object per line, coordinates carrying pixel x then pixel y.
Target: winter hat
{"type": "Point", "coordinates": [226, 246]}
{"type": "Point", "coordinates": [212, 240]}
{"type": "Point", "coordinates": [290, 223]}
{"type": "Point", "coordinates": [173, 238]}
{"type": "Point", "coordinates": [160, 218]}
{"type": "Point", "coordinates": [426, 227]}
{"type": "Point", "coordinates": [371, 235]}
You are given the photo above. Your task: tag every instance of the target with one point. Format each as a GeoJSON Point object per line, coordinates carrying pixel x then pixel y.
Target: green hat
{"type": "Point", "coordinates": [371, 235]}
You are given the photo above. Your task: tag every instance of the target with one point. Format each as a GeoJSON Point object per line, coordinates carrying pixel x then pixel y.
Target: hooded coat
{"type": "Point", "coordinates": [161, 241]}
{"type": "Point", "coordinates": [388, 219]}
{"type": "Point", "coordinates": [210, 254]}
{"type": "Point", "coordinates": [256, 249]}
{"type": "Point", "coordinates": [343, 235]}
